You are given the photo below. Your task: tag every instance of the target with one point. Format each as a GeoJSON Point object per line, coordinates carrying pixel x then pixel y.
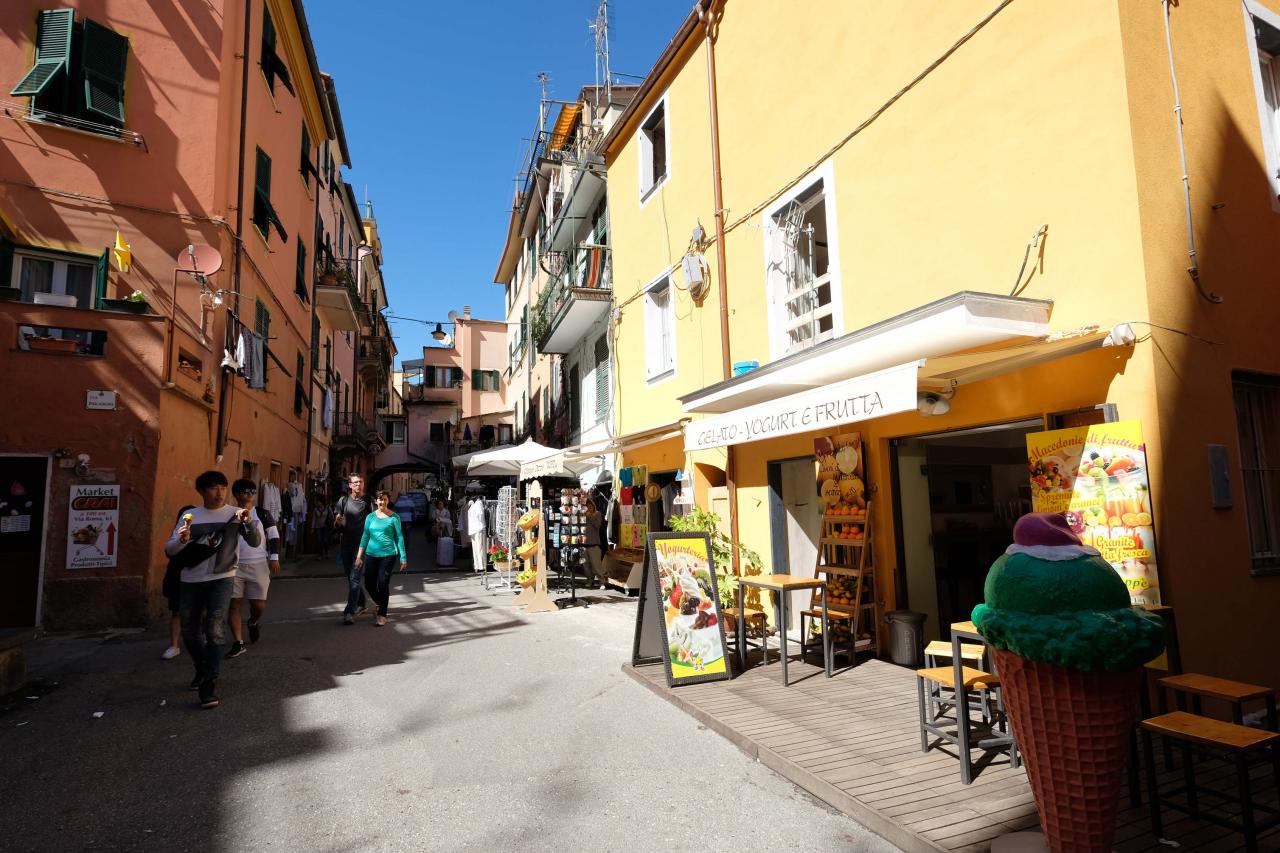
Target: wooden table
{"type": "Point", "coordinates": [779, 586]}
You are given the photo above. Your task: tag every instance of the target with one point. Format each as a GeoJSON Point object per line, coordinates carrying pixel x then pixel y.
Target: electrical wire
{"type": "Point", "coordinates": [1018, 285]}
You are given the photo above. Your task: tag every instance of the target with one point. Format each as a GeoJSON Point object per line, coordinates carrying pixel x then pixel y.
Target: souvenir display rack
{"type": "Point", "coordinates": [566, 537]}
{"type": "Point", "coordinates": [533, 553]}
{"type": "Point", "coordinates": [845, 558]}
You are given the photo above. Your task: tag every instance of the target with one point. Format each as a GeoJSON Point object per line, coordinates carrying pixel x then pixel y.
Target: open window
{"type": "Point", "coordinates": [653, 149]}
{"type": "Point", "coordinates": [802, 290]}
{"type": "Point", "coordinates": [274, 68]}
{"type": "Point", "coordinates": [79, 73]}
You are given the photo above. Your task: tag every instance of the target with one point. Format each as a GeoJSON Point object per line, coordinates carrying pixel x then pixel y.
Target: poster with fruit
{"type": "Point", "coordinates": [842, 485]}
{"type": "Point", "coordinates": [684, 585]}
{"type": "Point", "coordinates": [1097, 476]}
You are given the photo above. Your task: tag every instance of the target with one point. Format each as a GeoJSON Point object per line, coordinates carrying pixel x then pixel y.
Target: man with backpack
{"type": "Point", "coordinates": [352, 509]}
{"type": "Point", "coordinates": [205, 544]}
{"type": "Point", "coordinates": [257, 564]}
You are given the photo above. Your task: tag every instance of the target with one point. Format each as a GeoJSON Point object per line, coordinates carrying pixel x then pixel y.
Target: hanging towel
{"type": "Point", "coordinates": [253, 373]}
{"type": "Point", "coordinates": [326, 411]}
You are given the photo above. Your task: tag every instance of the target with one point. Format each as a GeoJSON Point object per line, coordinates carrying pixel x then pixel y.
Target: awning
{"type": "Point", "coordinates": [881, 393]}
{"type": "Point", "coordinates": [555, 465]}
{"type": "Point", "coordinates": [960, 322]}
{"type": "Point", "coordinates": [464, 459]}
{"type": "Point", "coordinates": [626, 443]}
{"type": "Point", "coordinates": [506, 461]}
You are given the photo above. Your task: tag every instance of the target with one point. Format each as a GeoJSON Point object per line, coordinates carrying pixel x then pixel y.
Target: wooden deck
{"type": "Point", "coordinates": [853, 741]}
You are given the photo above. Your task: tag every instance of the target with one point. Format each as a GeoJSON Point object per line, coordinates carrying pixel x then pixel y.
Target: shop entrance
{"type": "Point", "coordinates": [796, 522]}
{"type": "Point", "coordinates": [958, 496]}
{"type": "Point", "coordinates": [23, 488]}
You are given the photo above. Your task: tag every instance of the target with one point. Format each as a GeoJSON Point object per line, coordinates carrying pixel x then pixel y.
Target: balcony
{"type": "Point", "coordinates": [337, 297]}
{"type": "Point", "coordinates": [351, 430]}
{"type": "Point", "coordinates": [374, 358]}
{"type": "Point", "coordinates": [450, 395]}
{"type": "Point", "coordinates": [578, 298]}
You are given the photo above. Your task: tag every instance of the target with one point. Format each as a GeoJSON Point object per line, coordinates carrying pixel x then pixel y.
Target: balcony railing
{"type": "Point", "coordinates": [578, 297]}
{"type": "Point", "coordinates": [351, 429]}
{"type": "Point", "coordinates": [375, 355]}
{"type": "Point", "coordinates": [427, 394]}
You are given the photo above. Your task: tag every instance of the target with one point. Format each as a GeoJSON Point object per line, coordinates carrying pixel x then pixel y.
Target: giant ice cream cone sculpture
{"type": "Point", "coordinates": [1068, 649]}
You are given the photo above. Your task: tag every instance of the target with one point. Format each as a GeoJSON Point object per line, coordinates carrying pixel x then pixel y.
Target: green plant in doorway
{"type": "Point", "coordinates": [698, 520]}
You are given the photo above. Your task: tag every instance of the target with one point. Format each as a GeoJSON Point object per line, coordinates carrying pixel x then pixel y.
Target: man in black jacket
{"type": "Point", "coordinates": [206, 542]}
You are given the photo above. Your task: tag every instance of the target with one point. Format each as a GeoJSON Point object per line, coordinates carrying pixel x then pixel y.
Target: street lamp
{"type": "Point", "coordinates": [439, 333]}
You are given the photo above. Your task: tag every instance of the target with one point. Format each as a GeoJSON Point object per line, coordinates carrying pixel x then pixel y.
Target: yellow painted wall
{"type": "Point", "coordinates": [1046, 116]}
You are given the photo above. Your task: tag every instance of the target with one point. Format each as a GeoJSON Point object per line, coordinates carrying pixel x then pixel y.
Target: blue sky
{"type": "Point", "coordinates": [438, 100]}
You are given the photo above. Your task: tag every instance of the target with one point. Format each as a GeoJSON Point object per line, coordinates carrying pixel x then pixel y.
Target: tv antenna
{"type": "Point", "coordinates": [600, 29]}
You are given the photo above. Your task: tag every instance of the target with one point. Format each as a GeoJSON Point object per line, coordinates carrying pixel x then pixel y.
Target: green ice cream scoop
{"type": "Point", "coordinates": [1063, 604]}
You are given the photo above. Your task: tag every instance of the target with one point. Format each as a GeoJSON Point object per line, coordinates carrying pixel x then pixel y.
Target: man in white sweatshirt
{"type": "Point", "coordinates": [205, 543]}
{"type": "Point", "coordinates": [257, 563]}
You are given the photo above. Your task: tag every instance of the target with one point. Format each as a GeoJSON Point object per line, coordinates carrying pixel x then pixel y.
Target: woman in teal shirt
{"type": "Point", "coordinates": [383, 544]}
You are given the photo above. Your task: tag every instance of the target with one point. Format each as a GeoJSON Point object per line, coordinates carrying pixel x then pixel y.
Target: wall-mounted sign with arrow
{"type": "Point", "coordinates": [93, 520]}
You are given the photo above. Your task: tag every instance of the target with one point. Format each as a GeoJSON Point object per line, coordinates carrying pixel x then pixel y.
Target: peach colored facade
{"type": "Point", "coordinates": [205, 117]}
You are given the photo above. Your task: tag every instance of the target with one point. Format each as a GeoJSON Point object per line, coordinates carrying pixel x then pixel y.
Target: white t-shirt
{"type": "Point", "coordinates": [268, 541]}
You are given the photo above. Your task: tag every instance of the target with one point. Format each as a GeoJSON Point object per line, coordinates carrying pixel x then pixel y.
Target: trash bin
{"type": "Point", "coordinates": [906, 637]}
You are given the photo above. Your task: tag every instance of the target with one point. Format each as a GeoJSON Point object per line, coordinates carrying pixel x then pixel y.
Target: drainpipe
{"type": "Point", "coordinates": [313, 351]}
{"type": "Point", "coordinates": [707, 15]}
{"type": "Point", "coordinates": [224, 395]}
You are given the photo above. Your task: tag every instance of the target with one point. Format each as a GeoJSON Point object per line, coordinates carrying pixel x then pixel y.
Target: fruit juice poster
{"type": "Point", "coordinates": [692, 626]}
{"type": "Point", "coordinates": [1097, 476]}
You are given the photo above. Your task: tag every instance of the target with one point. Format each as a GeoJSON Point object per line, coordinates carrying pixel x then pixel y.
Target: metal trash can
{"type": "Point", "coordinates": [906, 637]}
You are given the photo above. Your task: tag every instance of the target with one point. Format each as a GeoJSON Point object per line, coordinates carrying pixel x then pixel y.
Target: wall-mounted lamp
{"type": "Point", "coordinates": [930, 403]}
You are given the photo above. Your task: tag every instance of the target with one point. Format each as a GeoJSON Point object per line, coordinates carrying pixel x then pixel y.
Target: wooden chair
{"type": "Point", "coordinates": [1236, 744]}
{"type": "Point", "coordinates": [753, 618]}
{"type": "Point", "coordinates": [960, 729]}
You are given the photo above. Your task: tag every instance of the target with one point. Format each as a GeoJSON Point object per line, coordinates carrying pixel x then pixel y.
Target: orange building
{"type": "Point", "coordinates": [163, 126]}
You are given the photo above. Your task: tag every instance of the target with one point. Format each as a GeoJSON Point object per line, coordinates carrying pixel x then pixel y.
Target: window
{"type": "Point", "coordinates": [436, 432]}
{"type": "Point", "coordinates": [315, 341]}
{"type": "Point", "coordinates": [602, 377]}
{"type": "Point", "coordinates": [653, 149]}
{"type": "Point", "coordinates": [798, 270]}
{"type": "Point", "coordinates": [264, 215]}
{"type": "Point", "coordinates": [273, 67]}
{"type": "Point", "coordinates": [299, 388]}
{"type": "Point", "coordinates": [300, 277]}
{"type": "Point", "coordinates": [78, 73]}
{"type": "Point", "coordinates": [573, 397]}
{"type": "Point", "coordinates": [262, 327]}
{"type": "Point", "coordinates": [1266, 31]}
{"type": "Point", "coordinates": [659, 319]}
{"type": "Point", "coordinates": [504, 433]}
{"type": "Point", "coordinates": [395, 432]}
{"type": "Point", "coordinates": [47, 278]}
{"type": "Point", "coordinates": [61, 340]}
{"type": "Point", "coordinates": [307, 167]}
{"type": "Point", "coordinates": [484, 380]}
{"type": "Point", "coordinates": [1257, 399]}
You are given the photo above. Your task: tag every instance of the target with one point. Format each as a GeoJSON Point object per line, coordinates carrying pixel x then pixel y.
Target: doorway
{"type": "Point", "coordinates": [958, 495]}
{"type": "Point", "coordinates": [24, 483]}
{"type": "Point", "coordinates": [796, 523]}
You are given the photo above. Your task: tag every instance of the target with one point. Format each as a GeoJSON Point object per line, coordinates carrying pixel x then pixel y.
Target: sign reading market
{"type": "Point", "coordinates": [873, 395]}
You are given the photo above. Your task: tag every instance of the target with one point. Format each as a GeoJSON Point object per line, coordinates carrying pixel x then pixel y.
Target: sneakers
{"type": "Point", "coordinates": [380, 621]}
{"type": "Point", "coordinates": [362, 609]}
{"type": "Point", "coordinates": [237, 648]}
{"type": "Point", "coordinates": [348, 619]}
{"type": "Point", "coordinates": [254, 632]}
{"type": "Point", "coordinates": [171, 653]}
{"type": "Point", "coordinates": [196, 682]}
{"type": "Point", "coordinates": [208, 698]}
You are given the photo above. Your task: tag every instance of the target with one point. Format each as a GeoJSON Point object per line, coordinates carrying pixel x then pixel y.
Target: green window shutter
{"type": "Point", "coordinates": [477, 380]}
{"type": "Point", "coordinates": [54, 29]}
{"type": "Point", "coordinates": [301, 284]}
{"type": "Point", "coordinates": [264, 214]}
{"type": "Point", "coordinates": [315, 340]}
{"type": "Point", "coordinates": [262, 325]}
{"type": "Point", "coordinates": [308, 168]}
{"type": "Point", "coordinates": [103, 64]}
{"type": "Point", "coordinates": [457, 376]}
{"type": "Point", "coordinates": [100, 277]}
{"type": "Point", "coordinates": [571, 398]}
{"type": "Point", "coordinates": [429, 377]}
{"type": "Point", "coordinates": [602, 377]}
{"type": "Point", "coordinates": [273, 67]}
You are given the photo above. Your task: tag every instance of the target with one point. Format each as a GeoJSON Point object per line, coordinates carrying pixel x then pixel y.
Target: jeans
{"type": "Point", "coordinates": [355, 587]}
{"type": "Point", "coordinates": [377, 577]}
{"type": "Point", "coordinates": [203, 611]}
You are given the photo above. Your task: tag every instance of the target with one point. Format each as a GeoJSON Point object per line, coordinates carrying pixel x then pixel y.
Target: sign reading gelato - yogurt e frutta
{"type": "Point", "coordinates": [93, 527]}
{"type": "Point", "coordinates": [1097, 476]}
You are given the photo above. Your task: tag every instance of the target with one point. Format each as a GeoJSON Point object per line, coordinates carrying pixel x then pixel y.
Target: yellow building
{"type": "Point", "coordinates": [974, 195]}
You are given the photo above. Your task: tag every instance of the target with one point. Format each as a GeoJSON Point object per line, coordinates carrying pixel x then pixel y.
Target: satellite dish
{"type": "Point", "coordinates": [453, 316]}
{"type": "Point", "coordinates": [447, 342]}
{"type": "Point", "coordinates": [197, 258]}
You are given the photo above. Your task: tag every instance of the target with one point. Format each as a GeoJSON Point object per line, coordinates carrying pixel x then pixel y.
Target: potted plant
{"type": "Point", "coordinates": [722, 548]}
{"type": "Point", "coordinates": [500, 556]}
{"type": "Point", "coordinates": [135, 303]}
{"type": "Point", "coordinates": [41, 343]}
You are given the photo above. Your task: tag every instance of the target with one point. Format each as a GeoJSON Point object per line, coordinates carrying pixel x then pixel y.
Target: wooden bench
{"type": "Point", "coordinates": [1234, 743]}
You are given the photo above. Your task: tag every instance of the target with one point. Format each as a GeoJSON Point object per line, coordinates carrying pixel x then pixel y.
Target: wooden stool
{"type": "Point", "coordinates": [1235, 693]}
{"type": "Point", "coordinates": [933, 720]}
{"type": "Point", "coordinates": [1237, 744]}
{"type": "Point", "coordinates": [752, 618]}
{"type": "Point", "coordinates": [970, 653]}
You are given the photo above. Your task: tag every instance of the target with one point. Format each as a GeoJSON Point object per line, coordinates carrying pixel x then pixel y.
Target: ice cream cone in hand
{"type": "Point", "coordinates": [1068, 648]}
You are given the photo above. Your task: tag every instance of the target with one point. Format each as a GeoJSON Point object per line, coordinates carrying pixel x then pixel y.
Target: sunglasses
{"type": "Point", "coordinates": [247, 492]}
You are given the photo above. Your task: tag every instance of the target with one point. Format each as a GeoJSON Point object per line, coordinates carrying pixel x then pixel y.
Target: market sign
{"type": "Point", "coordinates": [872, 395]}
{"type": "Point", "coordinates": [93, 527]}
{"type": "Point", "coordinates": [1097, 475]}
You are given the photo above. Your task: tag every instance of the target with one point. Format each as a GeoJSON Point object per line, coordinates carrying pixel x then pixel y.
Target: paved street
{"type": "Point", "coordinates": [462, 725]}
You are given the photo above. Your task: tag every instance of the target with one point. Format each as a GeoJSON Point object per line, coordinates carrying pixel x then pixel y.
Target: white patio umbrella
{"type": "Point", "coordinates": [555, 464]}
{"type": "Point", "coordinates": [464, 459]}
{"type": "Point", "coordinates": [506, 461]}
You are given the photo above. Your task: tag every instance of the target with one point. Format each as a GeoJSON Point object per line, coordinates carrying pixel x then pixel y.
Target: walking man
{"type": "Point", "coordinates": [352, 509]}
{"type": "Point", "coordinates": [205, 543]}
{"type": "Point", "coordinates": [257, 564]}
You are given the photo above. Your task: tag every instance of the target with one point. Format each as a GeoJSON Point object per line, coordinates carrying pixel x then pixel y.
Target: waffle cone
{"type": "Point", "coordinates": [1073, 730]}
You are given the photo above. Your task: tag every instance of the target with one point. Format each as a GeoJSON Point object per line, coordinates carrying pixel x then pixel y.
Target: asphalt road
{"type": "Point", "coordinates": [462, 725]}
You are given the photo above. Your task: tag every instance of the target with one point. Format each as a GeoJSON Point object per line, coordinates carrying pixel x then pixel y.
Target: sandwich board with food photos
{"type": "Point", "coordinates": [682, 587]}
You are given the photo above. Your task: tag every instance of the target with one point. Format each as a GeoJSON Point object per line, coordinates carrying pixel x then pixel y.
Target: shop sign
{"type": "Point", "coordinates": [872, 395]}
{"type": "Point", "coordinates": [841, 474]}
{"type": "Point", "coordinates": [93, 527]}
{"type": "Point", "coordinates": [681, 589]}
{"type": "Point", "coordinates": [1097, 475]}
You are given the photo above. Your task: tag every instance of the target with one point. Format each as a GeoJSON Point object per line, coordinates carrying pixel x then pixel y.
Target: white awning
{"type": "Point", "coordinates": [555, 465]}
{"type": "Point", "coordinates": [625, 443]}
{"type": "Point", "coordinates": [506, 461]}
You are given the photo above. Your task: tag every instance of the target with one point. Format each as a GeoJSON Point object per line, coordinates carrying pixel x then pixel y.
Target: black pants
{"type": "Point", "coordinates": [377, 579]}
